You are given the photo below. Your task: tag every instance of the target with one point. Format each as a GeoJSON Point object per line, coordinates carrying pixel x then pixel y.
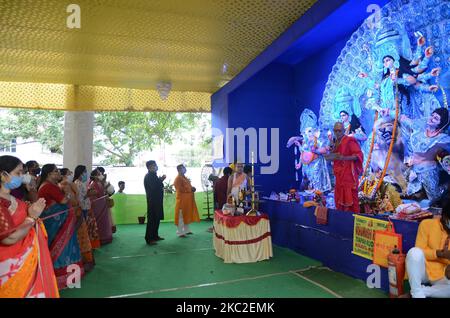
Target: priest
{"type": "Point", "coordinates": [348, 159]}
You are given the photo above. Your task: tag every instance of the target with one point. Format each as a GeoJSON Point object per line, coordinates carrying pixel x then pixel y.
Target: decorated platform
{"type": "Point", "coordinates": [296, 228]}
{"type": "Point", "coordinates": [242, 239]}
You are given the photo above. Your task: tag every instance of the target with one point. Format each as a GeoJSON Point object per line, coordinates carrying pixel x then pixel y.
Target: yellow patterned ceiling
{"type": "Point", "coordinates": [125, 47]}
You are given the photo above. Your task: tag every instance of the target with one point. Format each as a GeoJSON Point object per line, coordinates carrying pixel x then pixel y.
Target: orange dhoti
{"type": "Point", "coordinates": [185, 201]}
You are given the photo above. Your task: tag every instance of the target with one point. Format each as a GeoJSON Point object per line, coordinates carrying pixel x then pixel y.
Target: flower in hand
{"type": "Point", "coordinates": [36, 208]}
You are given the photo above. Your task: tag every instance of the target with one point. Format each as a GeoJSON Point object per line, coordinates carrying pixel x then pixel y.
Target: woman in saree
{"type": "Point", "coordinates": [62, 237]}
{"type": "Point", "coordinates": [80, 180]}
{"type": "Point", "coordinates": [26, 268]}
{"type": "Point", "coordinates": [100, 207]}
{"type": "Point", "coordinates": [81, 227]}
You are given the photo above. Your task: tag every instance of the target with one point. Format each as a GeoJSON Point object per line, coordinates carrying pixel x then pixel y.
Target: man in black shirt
{"type": "Point", "coordinates": [154, 190]}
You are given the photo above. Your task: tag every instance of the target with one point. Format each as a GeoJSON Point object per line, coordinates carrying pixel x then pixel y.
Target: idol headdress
{"type": "Point", "coordinates": [307, 119]}
{"type": "Point", "coordinates": [344, 101]}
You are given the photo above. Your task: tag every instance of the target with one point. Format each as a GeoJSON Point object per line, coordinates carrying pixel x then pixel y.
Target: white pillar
{"type": "Point", "coordinates": [78, 139]}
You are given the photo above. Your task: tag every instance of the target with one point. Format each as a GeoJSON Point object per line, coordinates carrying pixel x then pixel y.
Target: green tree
{"type": "Point", "coordinates": [197, 143]}
{"type": "Point", "coordinates": [119, 136]}
{"type": "Point", "coordinates": [43, 126]}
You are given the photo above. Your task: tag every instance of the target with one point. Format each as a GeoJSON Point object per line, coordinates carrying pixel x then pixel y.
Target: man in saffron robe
{"type": "Point", "coordinates": [185, 208]}
{"type": "Point", "coordinates": [347, 166]}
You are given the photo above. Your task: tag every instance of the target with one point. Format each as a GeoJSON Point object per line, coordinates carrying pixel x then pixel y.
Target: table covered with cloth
{"type": "Point", "coordinates": [242, 239]}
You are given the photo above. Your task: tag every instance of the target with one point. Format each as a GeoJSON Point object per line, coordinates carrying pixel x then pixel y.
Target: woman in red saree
{"type": "Point", "coordinates": [62, 236]}
{"type": "Point", "coordinates": [100, 208]}
{"type": "Point", "coordinates": [26, 268]}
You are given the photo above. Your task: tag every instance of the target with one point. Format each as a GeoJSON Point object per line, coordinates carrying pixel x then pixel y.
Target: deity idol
{"type": "Point", "coordinates": [396, 168]}
{"type": "Point", "coordinates": [312, 148]}
{"type": "Point", "coordinates": [353, 127]}
{"type": "Point", "coordinates": [405, 70]}
{"type": "Point", "coordinates": [428, 139]}
{"type": "Point", "coordinates": [406, 74]}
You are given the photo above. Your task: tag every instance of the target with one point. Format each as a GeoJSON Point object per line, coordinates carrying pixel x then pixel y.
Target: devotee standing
{"type": "Point", "coordinates": [81, 227]}
{"type": "Point", "coordinates": [185, 208]}
{"type": "Point", "coordinates": [154, 190]}
{"type": "Point", "coordinates": [428, 262]}
{"type": "Point", "coordinates": [237, 182]}
{"type": "Point", "coordinates": [62, 236]}
{"type": "Point", "coordinates": [221, 187]}
{"type": "Point", "coordinates": [348, 158]}
{"type": "Point", "coordinates": [100, 207]}
{"type": "Point", "coordinates": [80, 180]}
{"type": "Point", "coordinates": [121, 185]}
{"type": "Point", "coordinates": [109, 190]}
{"type": "Point", "coordinates": [33, 170]}
{"type": "Point", "coordinates": [26, 268]}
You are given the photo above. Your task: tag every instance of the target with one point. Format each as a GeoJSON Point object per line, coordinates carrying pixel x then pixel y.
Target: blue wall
{"type": "Point", "coordinates": [266, 101]}
{"type": "Point", "coordinates": [311, 75]}
{"type": "Point", "coordinates": [274, 98]}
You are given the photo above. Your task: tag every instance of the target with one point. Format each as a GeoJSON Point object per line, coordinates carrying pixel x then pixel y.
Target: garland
{"type": "Point", "coordinates": [391, 147]}
{"type": "Point", "coordinates": [375, 187]}
{"type": "Point", "coordinates": [372, 143]}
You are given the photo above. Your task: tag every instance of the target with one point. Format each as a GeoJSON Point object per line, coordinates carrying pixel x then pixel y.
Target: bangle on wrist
{"type": "Point", "coordinates": [32, 218]}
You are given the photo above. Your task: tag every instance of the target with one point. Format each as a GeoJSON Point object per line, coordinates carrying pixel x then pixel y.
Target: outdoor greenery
{"type": "Point", "coordinates": [118, 136]}
{"type": "Point", "coordinates": [44, 126]}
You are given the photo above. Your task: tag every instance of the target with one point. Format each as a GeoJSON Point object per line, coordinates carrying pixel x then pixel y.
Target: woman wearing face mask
{"type": "Point", "coordinates": [62, 236]}
{"type": "Point", "coordinates": [26, 268]}
{"type": "Point", "coordinates": [33, 171]}
{"type": "Point", "coordinates": [82, 231]}
{"type": "Point", "coordinates": [21, 191]}
{"type": "Point", "coordinates": [100, 207]}
{"type": "Point", "coordinates": [81, 182]}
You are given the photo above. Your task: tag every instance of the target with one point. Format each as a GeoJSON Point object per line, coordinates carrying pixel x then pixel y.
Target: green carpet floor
{"type": "Point", "coordinates": [128, 207]}
{"type": "Point", "coordinates": [188, 267]}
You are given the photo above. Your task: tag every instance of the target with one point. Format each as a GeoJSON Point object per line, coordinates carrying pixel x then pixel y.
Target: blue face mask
{"type": "Point", "coordinates": [15, 183]}
{"type": "Point", "coordinates": [84, 177]}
